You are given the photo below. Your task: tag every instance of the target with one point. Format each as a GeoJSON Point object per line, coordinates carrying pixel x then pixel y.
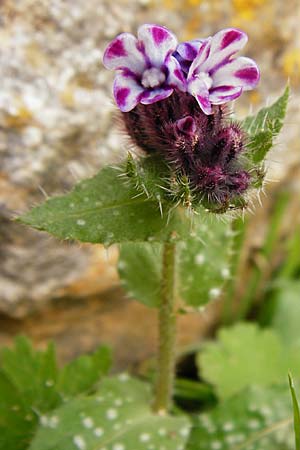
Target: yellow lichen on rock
{"type": "Point", "coordinates": [291, 65]}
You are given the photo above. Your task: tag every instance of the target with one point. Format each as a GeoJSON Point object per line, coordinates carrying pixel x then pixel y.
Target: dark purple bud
{"type": "Point", "coordinates": [187, 125]}
{"type": "Point", "coordinates": [205, 149]}
{"type": "Point", "coordinates": [238, 182]}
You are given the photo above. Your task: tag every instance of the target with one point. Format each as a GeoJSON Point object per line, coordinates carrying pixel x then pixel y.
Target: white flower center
{"type": "Point", "coordinates": [206, 79]}
{"type": "Point", "coordinates": [153, 77]}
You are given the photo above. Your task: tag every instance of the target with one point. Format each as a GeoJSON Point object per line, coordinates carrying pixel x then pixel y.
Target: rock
{"type": "Point", "coordinates": [57, 120]}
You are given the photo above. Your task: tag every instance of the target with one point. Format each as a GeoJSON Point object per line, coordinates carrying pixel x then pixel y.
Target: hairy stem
{"type": "Point", "coordinates": [167, 332]}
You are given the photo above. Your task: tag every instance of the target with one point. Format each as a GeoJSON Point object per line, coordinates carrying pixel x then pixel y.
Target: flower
{"type": "Point", "coordinates": [186, 52]}
{"type": "Point", "coordinates": [150, 67]}
{"type": "Point", "coordinates": [214, 76]}
{"type": "Point", "coordinates": [159, 87]}
{"type": "Point", "coordinates": [147, 72]}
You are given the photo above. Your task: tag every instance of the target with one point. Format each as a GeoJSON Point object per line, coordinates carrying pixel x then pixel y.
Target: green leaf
{"type": "Point", "coordinates": [17, 421]}
{"type": "Point", "coordinates": [106, 209]}
{"type": "Point", "coordinates": [118, 417]}
{"type": "Point", "coordinates": [193, 395]}
{"type": "Point", "coordinates": [140, 271]}
{"type": "Point", "coordinates": [33, 374]}
{"type": "Point", "coordinates": [296, 413]}
{"type": "Point", "coordinates": [243, 355]}
{"type": "Point", "coordinates": [202, 265]}
{"type": "Point", "coordinates": [30, 384]}
{"type": "Point", "coordinates": [83, 373]}
{"type": "Point", "coordinates": [256, 419]}
{"type": "Point", "coordinates": [150, 176]}
{"type": "Point", "coordinates": [27, 384]}
{"type": "Point", "coordinates": [265, 126]}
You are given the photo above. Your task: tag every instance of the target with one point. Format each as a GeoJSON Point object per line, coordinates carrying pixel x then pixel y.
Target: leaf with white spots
{"type": "Point", "coordinates": [204, 262]}
{"type": "Point", "coordinates": [117, 417]}
{"type": "Point", "coordinates": [245, 354]}
{"type": "Point", "coordinates": [258, 418]}
{"type": "Point", "coordinates": [31, 385]}
{"type": "Point", "coordinates": [202, 265]}
{"type": "Point", "coordinates": [106, 209]}
{"type": "Point", "coordinates": [265, 126]}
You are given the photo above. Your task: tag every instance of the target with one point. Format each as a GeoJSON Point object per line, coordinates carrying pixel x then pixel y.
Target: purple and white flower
{"type": "Point", "coordinates": [186, 52]}
{"type": "Point", "coordinates": [214, 76]}
{"type": "Point", "coordinates": [147, 71]}
{"type": "Point", "coordinates": [152, 65]}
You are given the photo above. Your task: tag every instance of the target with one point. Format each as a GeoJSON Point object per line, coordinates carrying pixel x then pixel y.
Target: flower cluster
{"type": "Point", "coordinates": [173, 99]}
{"type": "Point", "coordinates": [207, 149]}
{"type": "Point", "coordinates": [153, 65]}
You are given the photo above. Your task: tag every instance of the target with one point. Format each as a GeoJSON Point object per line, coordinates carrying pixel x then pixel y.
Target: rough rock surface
{"type": "Point", "coordinates": [57, 120]}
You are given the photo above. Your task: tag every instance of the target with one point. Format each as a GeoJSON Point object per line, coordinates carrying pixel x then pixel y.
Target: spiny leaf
{"type": "Point", "coordinates": [118, 417]}
{"type": "Point", "coordinates": [255, 419]}
{"type": "Point", "coordinates": [106, 209]}
{"type": "Point", "coordinates": [202, 265]}
{"type": "Point", "coordinates": [296, 412]}
{"type": "Point", "coordinates": [264, 127]}
{"type": "Point", "coordinates": [243, 355]}
{"type": "Point", "coordinates": [149, 176]}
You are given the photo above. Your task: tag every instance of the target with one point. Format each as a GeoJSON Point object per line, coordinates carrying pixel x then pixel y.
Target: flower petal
{"type": "Point", "coordinates": [224, 44]}
{"type": "Point", "coordinates": [199, 90]}
{"type": "Point", "coordinates": [158, 42]}
{"type": "Point", "coordinates": [223, 94]}
{"type": "Point", "coordinates": [123, 53]}
{"type": "Point", "coordinates": [202, 55]}
{"type": "Point", "coordinates": [155, 95]}
{"type": "Point", "coordinates": [127, 92]}
{"type": "Point", "coordinates": [176, 78]}
{"type": "Point", "coordinates": [242, 72]}
{"type": "Point", "coordinates": [188, 50]}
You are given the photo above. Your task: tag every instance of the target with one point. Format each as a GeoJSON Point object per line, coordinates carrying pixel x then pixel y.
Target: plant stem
{"type": "Point", "coordinates": [167, 332]}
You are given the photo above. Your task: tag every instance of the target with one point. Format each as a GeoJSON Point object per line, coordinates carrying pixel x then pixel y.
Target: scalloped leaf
{"type": "Point", "coordinates": [84, 372]}
{"type": "Point", "coordinates": [255, 419]}
{"type": "Point", "coordinates": [106, 209]}
{"type": "Point", "coordinates": [243, 355]}
{"type": "Point", "coordinates": [30, 384]}
{"type": "Point", "coordinates": [202, 265]}
{"type": "Point", "coordinates": [118, 417]}
{"type": "Point", "coordinates": [265, 126]}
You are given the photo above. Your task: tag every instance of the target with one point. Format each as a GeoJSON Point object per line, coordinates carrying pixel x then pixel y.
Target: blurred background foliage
{"type": "Point", "coordinates": [58, 124]}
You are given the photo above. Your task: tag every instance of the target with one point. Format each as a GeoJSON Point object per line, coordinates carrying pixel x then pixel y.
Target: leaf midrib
{"type": "Point", "coordinates": [99, 208]}
{"type": "Point", "coordinates": [261, 434]}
